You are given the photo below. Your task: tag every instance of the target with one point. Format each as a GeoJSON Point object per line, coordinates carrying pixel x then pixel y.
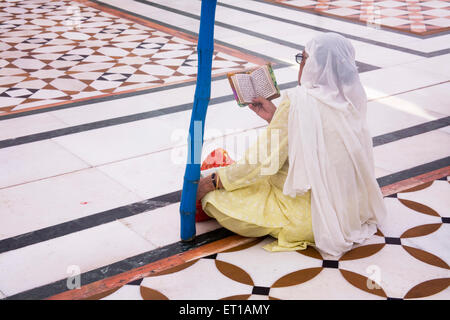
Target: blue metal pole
{"type": "Point", "coordinates": [205, 48]}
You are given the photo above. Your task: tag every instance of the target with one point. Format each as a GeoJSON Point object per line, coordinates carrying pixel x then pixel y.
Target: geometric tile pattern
{"type": "Point", "coordinates": [416, 16]}
{"type": "Point", "coordinates": [56, 52]}
{"type": "Point", "coordinates": [408, 258]}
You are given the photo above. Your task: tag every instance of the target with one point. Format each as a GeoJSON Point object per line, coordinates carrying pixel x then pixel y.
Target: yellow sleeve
{"type": "Point", "coordinates": [262, 159]}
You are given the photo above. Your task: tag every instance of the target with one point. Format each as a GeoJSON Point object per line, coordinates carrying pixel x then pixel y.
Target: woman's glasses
{"type": "Point", "coordinates": [299, 57]}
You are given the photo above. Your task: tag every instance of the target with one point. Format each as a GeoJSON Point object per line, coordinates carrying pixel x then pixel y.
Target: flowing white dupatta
{"type": "Point", "coordinates": [330, 147]}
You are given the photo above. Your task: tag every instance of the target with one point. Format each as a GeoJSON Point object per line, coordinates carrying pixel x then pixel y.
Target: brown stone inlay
{"type": "Point", "coordinates": [415, 181]}
{"type": "Point", "coordinates": [428, 288]}
{"type": "Point", "coordinates": [419, 207]}
{"type": "Point", "coordinates": [234, 272]}
{"type": "Point", "coordinates": [420, 231]}
{"type": "Point", "coordinates": [151, 294]}
{"type": "Point", "coordinates": [379, 233]}
{"type": "Point", "coordinates": [426, 257]}
{"type": "Point", "coordinates": [362, 252]}
{"type": "Point", "coordinates": [361, 282]}
{"type": "Point", "coordinates": [419, 187]}
{"type": "Point", "coordinates": [311, 252]}
{"type": "Point", "coordinates": [296, 277]}
{"type": "Point", "coordinates": [244, 246]}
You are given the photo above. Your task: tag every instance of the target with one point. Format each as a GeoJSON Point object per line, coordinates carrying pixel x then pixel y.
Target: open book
{"type": "Point", "coordinates": [257, 82]}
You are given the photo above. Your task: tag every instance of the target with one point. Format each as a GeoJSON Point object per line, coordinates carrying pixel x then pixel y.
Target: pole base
{"type": "Point", "coordinates": [189, 239]}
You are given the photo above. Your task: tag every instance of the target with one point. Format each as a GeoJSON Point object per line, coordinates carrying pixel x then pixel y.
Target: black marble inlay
{"type": "Point", "coordinates": [443, 179]}
{"type": "Point", "coordinates": [264, 291]}
{"type": "Point", "coordinates": [212, 256]}
{"type": "Point", "coordinates": [390, 298]}
{"type": "Point", "coordinates": [112, 30]}
{"type": "Point", "coordinates": [445, 219]}
{"type": "Point", "coordinates": [135, 282]}
{"type": "Point", "coordinates": [37, 40]}
{"type": "Point", "coordinates": [330, 264]}
{"type": "Point", "coordinates": [392, 196]}
{"type": "Point", "coordinates": [14, 93]}
{"type": "Point", "coordinates": [150, 45]}
{"type": "Point", "coordinates": [391, 240]}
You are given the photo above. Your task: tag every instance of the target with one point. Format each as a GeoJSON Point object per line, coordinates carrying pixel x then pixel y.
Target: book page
{"type": "Point", "coordinates": [263, 82]}
{"type": "Point", "coordinates": [244, 87]}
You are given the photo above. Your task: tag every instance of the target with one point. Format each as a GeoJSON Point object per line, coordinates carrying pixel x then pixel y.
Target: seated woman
{"type": "Point", "coordinates": [315, 184]}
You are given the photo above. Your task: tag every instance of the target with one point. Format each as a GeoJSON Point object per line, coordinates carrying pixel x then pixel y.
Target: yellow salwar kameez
{"type": "Point", "coordinates": [252, 203]}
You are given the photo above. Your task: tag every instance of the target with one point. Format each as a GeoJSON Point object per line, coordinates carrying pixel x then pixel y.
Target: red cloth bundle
{"type": "Point", "coordinates": [217, 158]}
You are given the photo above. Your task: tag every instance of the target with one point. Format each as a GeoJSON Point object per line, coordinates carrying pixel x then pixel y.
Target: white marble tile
{"type": "Point", "coordinates": [412, 151]}
{"type": "Point", "coordinates": [36, 160]}
{"type": "Point", "coordinates": [150, 175]}
{"type": "Point", "coordinates": [401, 218]}
{"type": "Point", "coordinates": [48, 202]}
{"type": "Point", "coordinates": [162, 226]}
{"type": "Point", "coordinates": [48, 261]}
{"type": "Point", "coordinates": [430, 44]}
{"type": "Point", "coordinates": [264, 267]}
{"type": "Point", "coordinates": [327, 285]}
{"type": "Point", "coordinates": [434, 98]}
{"type": "Point", "coordinates": [119, 142]}
{"type": "Point", "coordinates": [434, 196]}
{"type": "Point", "coordinates": [381, 172]}
{"type": "Point", "coordinates": [398, 270]}
{"type": "Point", "coordinates": [387, 81]}
{"type": "Point", "coordinates": [402, 112]}
{"type": "Point", "coordinates": [174, 285]}
{"type": "Point", "coordinates": [439, 64]}
{"type": "Point", "coordinates": [167, 166]}
{"type": "Point", "coordinates": [380, 56]}
{"type": "Point", "coordinates": [23, 126]}
{"type": "Point", "coordinates": [435, 243]}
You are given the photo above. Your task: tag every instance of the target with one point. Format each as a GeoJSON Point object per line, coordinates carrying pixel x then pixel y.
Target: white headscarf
{"type": "Point", "coordinates": [330, 147]}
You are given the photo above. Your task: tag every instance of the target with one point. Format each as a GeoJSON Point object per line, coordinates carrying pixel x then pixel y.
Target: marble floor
{"type": "Point", "coordinates": [414, 16]}
{"type": "Point", "coordinates": [95, 102]}
{"type": "Point", "coordinates": [406, 259]}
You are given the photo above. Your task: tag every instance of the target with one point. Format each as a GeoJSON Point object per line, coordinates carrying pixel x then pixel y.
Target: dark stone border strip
{"type": "Point", "coordinates": [137, 261]}
{"type": "Point", "coordinates": [411, 131]}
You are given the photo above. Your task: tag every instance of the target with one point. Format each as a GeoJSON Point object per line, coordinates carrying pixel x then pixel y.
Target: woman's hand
{"type": "Point", "coordinates": [263, 108]}
{"type": "Point", "coordinates": [205, 185]}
